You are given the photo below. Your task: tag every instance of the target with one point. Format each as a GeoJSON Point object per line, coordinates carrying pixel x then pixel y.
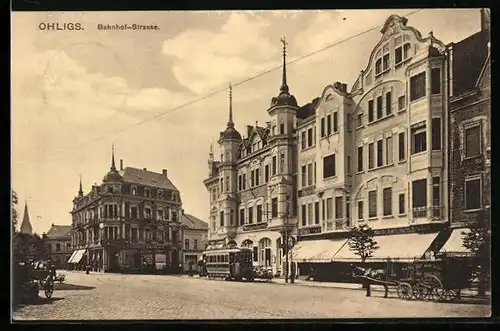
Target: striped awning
{"type": "Point", "coordinates": [77, 255]}
{"type": "Point", "coordinates": [455, 244]}
{"type": "Point", "coordinates": [72, 256]}
{"type": "Point", "coordinates": [317, 251]}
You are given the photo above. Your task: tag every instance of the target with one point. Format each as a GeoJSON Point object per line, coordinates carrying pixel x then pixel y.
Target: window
{"type": "Point", "coordinates": [250, 215]}
{"type": "Point", "coordinates": [435, 80]}
{"type": "Point", "coordinates": [314, 172]}
{"type": "Point", "coordinates": [372, 204]}
{"type": "Point", "coordinates": [147, 192]}
{"type": "Point", "coordinates": [360, 158]}
{"type": "Point", "coordinates": [401, 143]}
{"type": "Point", "coordinates": [419, 193]}
{"type": "Point", "coordinates": [266, 172]}
{"type": "Point", "coordinates": [359, 120]}
{"type": "Point", "coordinates": [370, 156]}
{"type": "Point", "coordinates": [257, 177]}
{"type": "Point", "coordinates": [335, 122]}
{"type": "Point", "coordinates": [304, 176]}
{"type": "Point", "coordinates": [406, 51]}
{"type": "Point", "coordinates": [309, 174]}
{"type": "Point", "coordinates": [221, 218]}
{"type": "Point", "coordinates": [329, 166]}
{"type": "Point", "coordinates": [329, 125]}
{"type": "Point", "coordinates": [419, 137]}
{"type": "Point", "coordinates": [304, 215]}
{"type": "Point", "coordinates": [222, 184]}
{"type": "Point", "coordinates": [388, 103]}
{"type": "Point", "coordinates": [133, 212]}
{"type": "Point", "coordinates": [370, 111]}
{"type": "Point", "coordinates": [159, 194]}
{"type": "Point", "coordinates": [244, 181]}
{"type": "Point", "coordinates": [347, 209]}
{"type": "Point", "coordinates": [252, 178]}
{"type": "Point", "coordinates": [401, 102]}
{"type": "Point", "coordinates": [378, 66]}
{"type": "Point", "coordinates": [159, 214]}
{"type": "Point", "coordinates": [387, 200]}
{"type": "Point", "coordinates": [360, 210]}
{"type": "Point", "coordinates": [398, 55]}
{"type": "Point", "coordinates": [473, 193]}
{"type": "Point", "coordinates": [388, 150]}
{"type": "Point", "coordinates": [401, 204]}
{"type": "Point", "coordinates": [436, 199]}
{"type": "Point", "coordinates": [227, 183]}
{"type": "Point", "coordinates": [323, 127]}
{"type": "Point", "coordinates": [309, 137]}
{"type": "Point", "coordinates": [239, 183]}
{"type": "Point", "coordinates": [380, 153]}
{"type": "Point", "coordinates": [274, 207]}
{"type": "Point", "coordinates": [186, 244]}
{"type": "Point", "coordinates": [174, 216]}
{"type": "Point", "coordinates": [417, 86]}
{"type": "Point", "coordinates": [316, 212]}
{"type": "Point", "coordinates": [329, 214]}
{"type": "Point", "coordinates": [274, 165]}
{"type": "Point", "coordinates": [242, 216]}
{"type": "Point", "coordinates": [147, 213]}
{"type": "Point", "coordinates": [473, 141]}
{"type": "Point", "coordinates": [379, 107]}
{"type": "Point", "coordinates": [259, 213]}
{"type": "Point", "coordinates": [58, 247]}
{"type": "Point", "coordinates": [256, 253]}
{"type": "Point", "coordinates": [133, 190]}
{"type": "Point", "coordinates": [436, 134]}
{"type": "Point", "coordinates": [282, 128]}
{"type": "Point", "coordinates": [348, 165]}
{"type": "Point", "coordinates": [385, 61]}
{"type": "Point", "coordinates": [338, 207]}
{"type": "Point", "coordinates": [303, 139]}
{"type": "Point", "coordinates": [309, 214]}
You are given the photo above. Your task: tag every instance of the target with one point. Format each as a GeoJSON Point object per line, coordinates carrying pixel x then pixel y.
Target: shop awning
{"type": "Point", "coordinates": [317, 250]}
{"type": "Point", "coordinates": [78, 256]}
{"type": "Point", "coordinates": [70, 260]}
{"type": "Point", "coordinates": [406, 246]}
{"type": "Point", "coordinates": [455, 243]}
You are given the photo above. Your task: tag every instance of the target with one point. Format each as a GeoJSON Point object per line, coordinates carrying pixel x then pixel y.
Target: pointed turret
{"type": "Point", "coordinates": [80, 191]}
{"type": "Point", "coordinates": [230, 123]}
{"type": "Point", "coordinates": [113, 167]}
{"type": "Point", "coordinates": [230, 132]}
{"type": "Point", "coordinates": [284, 98]}
{"type": "Point", "coordinates": [113, 175]}
{"type": "Point", "coordinates": [26, 224]}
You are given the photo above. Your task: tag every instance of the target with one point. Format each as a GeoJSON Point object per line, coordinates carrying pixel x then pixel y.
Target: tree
{"type": "Point", "coordinates": [26, 246]}
{"type": "Point", "coordinates": [478, 241]}
{"type": "Point", "coordinates": [362, 242]}
{"type": "Point", "coordinates": [14, 215]}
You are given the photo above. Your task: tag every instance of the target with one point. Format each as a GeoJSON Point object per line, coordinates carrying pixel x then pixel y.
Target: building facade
{"type": "Point", "coordinates": [58, 245]}
{"type": "Point", "coordinates": [195, 240]}
{"type": "Point", "coordinates": [377, 155]}
{"type": "Point", "coordinates": [252, 187]}
{"type": "Point", "coordinates": [131, 221]}
{"type": "Point", "coordinates": [470, 133]}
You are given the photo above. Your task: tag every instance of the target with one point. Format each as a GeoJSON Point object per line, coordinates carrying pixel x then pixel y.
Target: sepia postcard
{"type": "Point", "coordinates": [228, 165]}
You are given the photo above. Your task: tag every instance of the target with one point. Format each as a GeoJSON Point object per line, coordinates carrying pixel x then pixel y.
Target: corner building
{"type": "Point", "coordinates": [252, 187]}
{"type": "Point", "coordinates": [377, 155]}
{"type": "Point", "coordinates": [131, 222]}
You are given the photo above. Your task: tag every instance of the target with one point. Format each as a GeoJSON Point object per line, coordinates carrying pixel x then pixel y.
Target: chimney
{"type": "Point", "coordinates": [164, 172]}
{"type": "Point", "coordinates": [145, 169]}
{"type": "Point", "coordinates": [121, 164]}
{"type": "Point", "coordinates": [485, 19]}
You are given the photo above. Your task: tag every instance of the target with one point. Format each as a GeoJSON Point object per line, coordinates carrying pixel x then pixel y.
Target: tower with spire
{"type": "Point", "coordinates": [26, 224]}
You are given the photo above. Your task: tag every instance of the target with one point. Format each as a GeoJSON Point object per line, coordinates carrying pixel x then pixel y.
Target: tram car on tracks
{"type": "Point", "coordinates": [234, 263]}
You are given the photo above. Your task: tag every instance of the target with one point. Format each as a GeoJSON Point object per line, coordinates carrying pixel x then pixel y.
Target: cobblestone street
{"type": "Point", "coordinates": [115, 296]}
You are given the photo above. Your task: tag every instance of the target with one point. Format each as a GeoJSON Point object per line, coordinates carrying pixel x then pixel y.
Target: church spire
{"type": "Point", "coordinates": [230, 122]}
{"type": "Point", "coordinates": [211, 152]}
{"type": "Point", "coordinates": [113, 167]}
{"type": "Point", "coordinates": [26, 224]}
{"type": "Point", "coordinates": [284, 86]}
{"type": "Point", "coordinates": [80, 191]}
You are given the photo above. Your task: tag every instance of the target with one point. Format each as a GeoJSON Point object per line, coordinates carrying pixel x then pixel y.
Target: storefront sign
{"type": "Point", "coordinates": [255, 226]}
{"type": "Point", "coordinates": [312, 230]}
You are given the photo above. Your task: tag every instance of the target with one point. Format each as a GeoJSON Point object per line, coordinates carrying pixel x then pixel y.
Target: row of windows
{"type": "Point", "coordinates": [249, 215]}
{"type": "Point", "coordinates": [147, 193]}
{"type": "Point", "coordinates": [187, 247]}
{"type": "Point", "coordinates": [326, 124]}
{"type": "Point", "coordinates": [308, 141]}
{"type": "Point", "coordinates": [308, 172]}
{"type": "Point", "coordinates": [310, 213]}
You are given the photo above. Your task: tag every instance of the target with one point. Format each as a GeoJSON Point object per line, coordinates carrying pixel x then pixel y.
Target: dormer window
{"type": "Point", "coordinates": [159, 194]}
{"type": "Point", "coordinates": [402, 49]}
{"type": "Point", "coordinates": [174, 196]}
{"type": "Point", "coordinates": [147, 192]}
{"type": "Point", "coordinates": [133, 190]}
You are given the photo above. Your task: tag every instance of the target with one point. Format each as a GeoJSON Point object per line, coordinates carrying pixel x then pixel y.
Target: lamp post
{"type": "Point", "coordinates": [286, 244]}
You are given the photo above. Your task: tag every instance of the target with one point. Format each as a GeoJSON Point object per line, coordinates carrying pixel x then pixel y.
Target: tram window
{"type": "Point", "coordinates": [226, 258]}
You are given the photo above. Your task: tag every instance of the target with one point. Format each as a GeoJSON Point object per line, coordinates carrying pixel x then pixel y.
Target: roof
{"type": "Point", "coordinates": [58, 231]}
{"type": "Point", "coordinates": [147, 178]}
{"type": "Point", "coordinates": [308, 109]}
{"type": "Point", "coordinates": [469, 57]}
{"type": "Point", "coordinates": [26, 224]}
{"type": "Point", "coordinates": [193, 222]}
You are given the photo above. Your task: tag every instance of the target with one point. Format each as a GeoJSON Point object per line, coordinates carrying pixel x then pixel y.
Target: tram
{"type": "Point", "coordinates": [233, 263]}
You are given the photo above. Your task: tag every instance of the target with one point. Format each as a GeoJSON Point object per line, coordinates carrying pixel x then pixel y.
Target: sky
{"type": "Point", "coordinates": [76, 93]}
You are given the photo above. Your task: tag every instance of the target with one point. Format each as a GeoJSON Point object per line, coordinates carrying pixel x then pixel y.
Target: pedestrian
{"type": "Point", "coordinates": [87, 269]}
{"type": "Point", "coordinates": [190, 268]}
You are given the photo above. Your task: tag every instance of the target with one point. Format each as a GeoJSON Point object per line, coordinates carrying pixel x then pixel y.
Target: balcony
{"type": "Point", "coordinates": [437, 212]}
{"type": "Point", "coordinates": [419, 212]}
{"type": "Point", "coordinates": [255, 226]}
{"type": "Point", "coordinates": [338, 224]}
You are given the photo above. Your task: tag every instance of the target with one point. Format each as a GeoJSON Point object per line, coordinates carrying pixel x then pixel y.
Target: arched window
{"type": "Point", "coordinates": [227, 157]}
{"type": "Point", "coordinates": [159, 194]}
{"type": "Point", "coordinates": [147, 192]}
{"type": "Point", "coordinates": [247, 243]}
{"type": "Point", "coordinates": [133, 190]}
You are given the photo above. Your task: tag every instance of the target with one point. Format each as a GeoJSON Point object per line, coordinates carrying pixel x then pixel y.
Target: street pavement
{"type": "Point", "coordinates": [99, 296]}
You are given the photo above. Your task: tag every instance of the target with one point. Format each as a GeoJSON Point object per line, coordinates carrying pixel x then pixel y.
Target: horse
{"type": "Point", "coordinates": [367, 273]}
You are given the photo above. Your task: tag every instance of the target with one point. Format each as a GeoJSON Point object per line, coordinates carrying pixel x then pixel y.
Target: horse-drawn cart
{"type": "Point", "coordinates": [438, 279]}
{"type": "Point", "coordinates": [44, 277]}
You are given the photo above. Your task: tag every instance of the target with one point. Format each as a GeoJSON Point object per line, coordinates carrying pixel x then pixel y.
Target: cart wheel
{"type": "Point", "coordinates": [48, 287]}
{"type": "Point", "coordinates": [447, 294]}
{"type": "Point", "coordinates": [420, 291]}
{"type": "Point", "coordinates": [405, 291]}
{"type": "Point", "coordinates": [433, 285]}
